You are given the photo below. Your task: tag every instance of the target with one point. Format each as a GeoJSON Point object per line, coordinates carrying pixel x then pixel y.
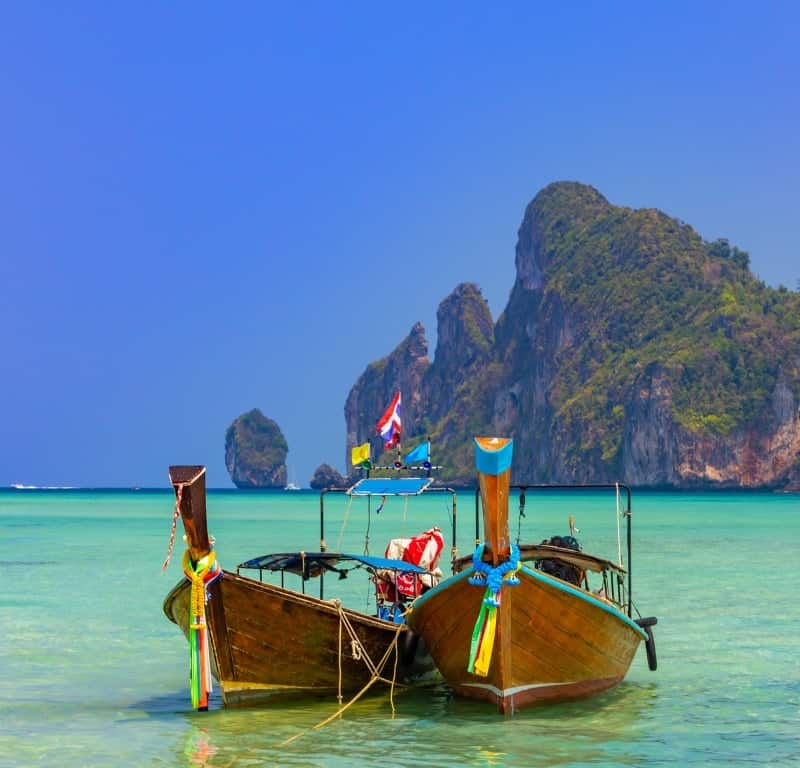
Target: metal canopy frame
{"type": "Point", "coordinates": [622, 488]}
{"type": "Point", "coordinates": [388, 486]}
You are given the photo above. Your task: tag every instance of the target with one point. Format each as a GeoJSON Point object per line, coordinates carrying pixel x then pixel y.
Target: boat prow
{"type": "Point", "coordinates": [504, 630]}
{"type": "Point", "coordinates": [261, 640]}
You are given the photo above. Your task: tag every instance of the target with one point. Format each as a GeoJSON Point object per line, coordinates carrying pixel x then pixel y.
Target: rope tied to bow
{"type": "Point", "coordinates": [493, 578]}
{"type": "Point", "coordinates": [201, 573]}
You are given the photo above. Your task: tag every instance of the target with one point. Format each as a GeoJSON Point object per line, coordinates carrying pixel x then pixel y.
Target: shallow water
{"type": "Point", "coordinates": [92, 673]}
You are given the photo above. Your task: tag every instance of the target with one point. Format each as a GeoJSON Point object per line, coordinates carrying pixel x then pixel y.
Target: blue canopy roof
{"type": "Point", "coordinates": [391, 486]}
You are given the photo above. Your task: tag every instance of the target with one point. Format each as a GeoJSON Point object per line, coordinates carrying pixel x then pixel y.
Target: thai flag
{"type": "Point", "coordinates": [389, 424]}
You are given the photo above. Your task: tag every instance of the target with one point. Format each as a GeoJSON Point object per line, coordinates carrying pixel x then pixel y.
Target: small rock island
{"type": "Point", "coordinates": [255, 452]}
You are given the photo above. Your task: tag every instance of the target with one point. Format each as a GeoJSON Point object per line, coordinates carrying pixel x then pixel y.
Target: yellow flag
{"type": "Point", "coordinates": [359, 454]}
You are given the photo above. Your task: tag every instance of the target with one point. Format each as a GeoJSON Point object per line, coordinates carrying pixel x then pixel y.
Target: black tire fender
{"type": "Point", "coordinates": [650, 644]}
{"type": "Point", "coordinates": [409, 642]}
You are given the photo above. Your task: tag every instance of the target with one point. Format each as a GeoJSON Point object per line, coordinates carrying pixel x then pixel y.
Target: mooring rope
{"type": "Point", "coordinates": [175, 516]}
{"type": "Point", "coordinates": [366, 533]}
{"type": "Point", "coordinates": [344, 524]}
{"type": "Point", "coordinates": [374, 669]}
{"type": "Point", "coordinates": [339, 695]}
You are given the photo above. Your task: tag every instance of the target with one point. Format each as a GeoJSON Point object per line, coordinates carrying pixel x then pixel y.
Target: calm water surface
{"type": "Point", "coordinates": [92, 673]}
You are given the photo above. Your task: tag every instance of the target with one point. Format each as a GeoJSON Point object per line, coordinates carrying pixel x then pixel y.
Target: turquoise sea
{"type": "Point", "coordinates": [92, 673]}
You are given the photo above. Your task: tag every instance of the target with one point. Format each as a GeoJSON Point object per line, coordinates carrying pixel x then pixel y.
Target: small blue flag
{"type": "Point", "coordinates": [421, 453]}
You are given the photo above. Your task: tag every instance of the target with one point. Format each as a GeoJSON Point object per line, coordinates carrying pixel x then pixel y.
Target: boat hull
{"type": "Point", "coordinates": [268, 642]}
{"type": "Point", "coordinates": [553, 642]}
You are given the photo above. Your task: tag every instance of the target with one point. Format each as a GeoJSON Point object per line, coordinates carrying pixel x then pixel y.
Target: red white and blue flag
{"type": "Point", "coordinates": [389, 425]}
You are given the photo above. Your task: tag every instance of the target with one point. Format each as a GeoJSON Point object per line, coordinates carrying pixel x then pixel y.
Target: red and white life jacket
{"type": "Point", "coordinates": [423, 550]}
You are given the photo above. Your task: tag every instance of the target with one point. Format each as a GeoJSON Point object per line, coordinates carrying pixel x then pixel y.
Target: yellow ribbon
{"type": "Point", "coordinates": [197, 574]}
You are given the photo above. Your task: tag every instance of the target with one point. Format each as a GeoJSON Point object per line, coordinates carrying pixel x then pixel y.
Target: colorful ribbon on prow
{"type": "Point", "coordinates": [202, 574]}
{"type": "Point", "coordinates": [480, 652]}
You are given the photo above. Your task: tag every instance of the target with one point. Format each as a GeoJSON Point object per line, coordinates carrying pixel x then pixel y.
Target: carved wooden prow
{"type": "Point", "coordinates": [189, 483]}
{"type": "Point", "coordinates": [493, 461]}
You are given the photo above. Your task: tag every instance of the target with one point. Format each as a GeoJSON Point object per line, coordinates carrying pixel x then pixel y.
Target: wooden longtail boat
{"type": "Point", "coordinates": [263, 640]}
{"type": "Point", "coordinates": [503, 629]}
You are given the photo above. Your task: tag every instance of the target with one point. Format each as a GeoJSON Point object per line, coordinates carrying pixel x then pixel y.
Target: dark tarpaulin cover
{"type": "Point", "coordinates": [314, 561]}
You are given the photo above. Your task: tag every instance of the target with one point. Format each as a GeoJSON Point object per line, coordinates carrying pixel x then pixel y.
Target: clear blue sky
{"type": "Point", "coordinates": [206, 208]}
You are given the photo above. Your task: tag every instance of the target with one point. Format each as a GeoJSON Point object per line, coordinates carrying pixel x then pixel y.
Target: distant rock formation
{"type": "Point", "coordinates": [325, 476]}
{"type": "Point", "coordinates": [630, 350]}
{"type": "Point", "coordinates": [255, 452]}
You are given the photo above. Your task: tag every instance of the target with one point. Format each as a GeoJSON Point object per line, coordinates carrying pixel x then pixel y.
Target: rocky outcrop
{"type": "Point", "coordinates": [463, 371]}
{"type": "Point", "coordinates": [255, 452]}
{"type": "Point", "coordinates": [325, 476]}
{"type": "Point", "coordinates": [464, 347]}
{"type": "Point", "coordinates": [402, 370]}
{"type": "Point", "coordinates": [650, 443]}
{"type": "Point", "coordinates": [746, 458]}
{"type": "Point", "coordinates": [465, 341]}
{"type": "Point", "coordinates": [653, 398]}
{"type": "Point", "coordinates": [630, 349]}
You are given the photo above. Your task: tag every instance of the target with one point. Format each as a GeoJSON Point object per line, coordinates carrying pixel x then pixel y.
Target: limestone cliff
{"type": "Point", "coordinates": [255, 452]}
{"type": "Point", "coordinates": [431, 392]}
{"type": "Point", "coordinates": [402, 370]}
{"type": "Point", "coordinates": [465, 342]}
{"type": "Point", "coordinates": [630, 349]}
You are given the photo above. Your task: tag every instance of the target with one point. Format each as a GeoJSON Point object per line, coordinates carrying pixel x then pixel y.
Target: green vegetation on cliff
{"type": "Point", "coordinates": [644, 289]}
{"type": "Point", "coordinates": [630, 348]}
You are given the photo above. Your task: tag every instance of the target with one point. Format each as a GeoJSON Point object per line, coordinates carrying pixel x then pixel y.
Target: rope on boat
{"type": "Point", "coordinates": [175, 516]}
{"type": "Point", "coordinates": [339, 695]}
{"type": "Point", "coordinates": [376, 671]}
{"type": "Point", "coordinates": [360, 652]}
{"type": "Point", "coordinates": [344, 523]}
{"type": "Point", "coordinates": [369, 524]}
